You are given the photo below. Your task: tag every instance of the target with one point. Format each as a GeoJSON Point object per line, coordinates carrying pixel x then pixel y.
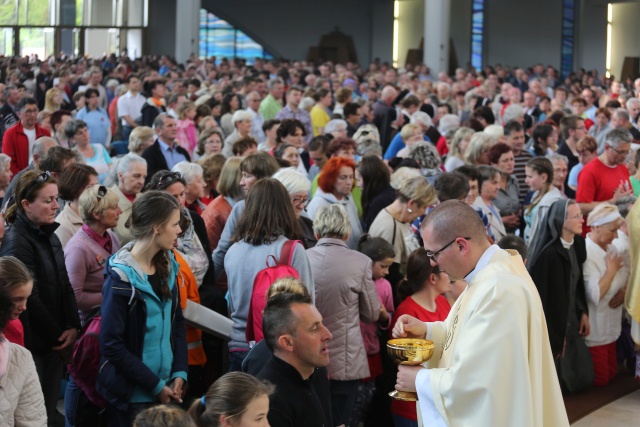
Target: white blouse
{"type": "Point", "coordinates": [605, 321]}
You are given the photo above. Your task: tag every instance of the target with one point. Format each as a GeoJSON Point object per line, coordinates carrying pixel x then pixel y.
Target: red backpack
{"type": "Point", "coordinates": [85, 360]}
{"type": "Point", "coordinates": [263, 281]}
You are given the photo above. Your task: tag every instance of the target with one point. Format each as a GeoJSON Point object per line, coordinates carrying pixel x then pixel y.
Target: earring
{"type": "Point", "coordinates": [410, 211]}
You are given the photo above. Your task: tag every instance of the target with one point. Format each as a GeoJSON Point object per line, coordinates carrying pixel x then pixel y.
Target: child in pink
{"type": "Point", "coordinates": [187, 135]}
{"type": "Point", "coordinates": [382, 254]}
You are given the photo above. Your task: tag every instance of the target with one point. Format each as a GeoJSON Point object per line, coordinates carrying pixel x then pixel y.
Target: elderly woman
{"type": "Point", "coordinates": [411, 134]}
{"type": "Point", "coordinates": [194, 190]}
{"type": "Point", "coordinates": [489, 187]}
{"type": "Point", "coordinates": [73, 182]}
{"type": "Point", "coordinates": [131, 171]}
{"type": "Point", "coordinates": [508, 199]}
{"type": "Point", "coordinates": [478, 149]}
{"type": "Point", "coordinates": [345, 295]}
{"type": "Point", "coordinates": [215, 215]}
{"type": "Point", "coordinates": [298, 187]}
{"type": "Point", "coordinates": [85, 256]}
{"type": "Point", "coordinates": [459, 145]}
{"type": "Point", "coordinates": [95, 155]}
{"type": "Point", "coordinates": [427, 157]}
{"type": "Point", "coordinates": [241, 120]}
{"type": "Point", "coordinates": [140, 139]}
{"type": "Point", "coordinates": [52, 322]}
{"type": "Point", "coordinates": [334, 187]}
{"type": "Point", "coordinates": [393, 223]}
{"type": "Point", "coordinates": [211, 169]}
{"type": "Point", "coordinates": [601, 127]}
{"type": "Point", "coordinates": [555, 262]}
{"type": "Point", "coordinates": [259, 236]}
{"type": "Point", "coordinates": [5, 175]}
{"type": "Point", "coordinates": [605, 280]}
{"type": "Point", "coordinates": [210, 143]}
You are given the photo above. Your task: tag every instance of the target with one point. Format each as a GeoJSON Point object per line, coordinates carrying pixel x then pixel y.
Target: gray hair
{"type": "Point", "coordinates": [41, 146]}
{"type": "Point", "coordinates": [617, 137]}
{"type": "Point", "coordinates": [621, 113]}
{"type": "Point", "coordinates": [494, 131]}
{"type": "Point", "coordinates": [333, 125]}
{"type": "Point", "coordinates": [158, 122]}
{"type": "Point", "coordinates": [633, 100]}
{"type": "Point", "coordinates": [293, 181]}
{"type": "Point", "coordinates": [73, 126]}
{"type": "Point", "coordinates": [448, 122]}
{"type": "Point", "coordinates": [332, 221]}
{"type": "Point", "coordinates": [138, 137]}
{"type": "Point", "coordinates": [555, 157]}
{"type": "Point", "coordinates": [272, 83]}
{"type": "Point", "coordinates": [421, 117]}
{"type": "Point", "coordinates": [121, 166]}
{"type": "Point", "coordinates": [4, 160]}
{"type": "Point", "coordinates": [189, 171]}
{"type": "Point", "coordinates": [241, 115]}
{"type": "Point", "coordinates": [480, 142]}
{"type": "Point", "coordinates": [88, 203]}
{"type": "Point", "coordinates": [513, 112]}
{"type": "Point", "coordinates": [306, 102]}
{"type": "Point", "coordinates": [625, 204]}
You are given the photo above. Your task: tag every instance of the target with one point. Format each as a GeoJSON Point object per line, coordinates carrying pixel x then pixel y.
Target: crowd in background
{"type": "Point", "coordinates": [144, 187]}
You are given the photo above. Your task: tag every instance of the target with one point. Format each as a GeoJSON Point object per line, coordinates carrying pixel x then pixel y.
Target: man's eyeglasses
{"type": "Point", "coordinates": [432, 255]}
{"type": "Point", "coordinates": [620, 152]}
{"type": "Point", "coordinates": [39, 180]}
{"type": "Point", "coordinates": [169, 179]}
{"type": "Point", "coordinates": [297, 201]}
{"type": "Point", "coordinates": [102, 191]}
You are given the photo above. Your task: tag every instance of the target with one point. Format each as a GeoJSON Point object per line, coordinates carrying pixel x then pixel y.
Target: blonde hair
{"type": "Point", "coordinates": [401, 175]}
{"type": "Point", "coordinates": [229, 181]}
{"type": "Point", "coordinates": [138, 136]}
{"type": "Point", "coordinates": [479, 143]}
{"type": "Point", "coordinates": [48, 100]}
{"type": "Point", "coordinates": [164, 416]}
{"type": "Point", "coordinates": [332, 221]}
{"type": "Point", "coordinates": [417, 189]}
{"type": "Point", "coordinates": [600, 212]}
{"type": "Point", "coordinates": [408, 131]}
{"type": "Point", "coordinates": [88, 203]}
{"type": "Point", "coordinates": [288, 285]}
{"type": "Point", "coordinates": [184, 109]}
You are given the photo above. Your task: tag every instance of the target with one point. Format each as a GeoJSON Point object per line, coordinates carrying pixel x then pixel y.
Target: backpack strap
{"type": "Point", "coordinates": [286, 256]}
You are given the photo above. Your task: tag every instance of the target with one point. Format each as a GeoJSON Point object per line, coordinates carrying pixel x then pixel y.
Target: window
{"type": "Point", "coordinates": [220, 39]}
{"type": "Point", "coordinates": [568, 15]}
{"type": "Point", "coordinates": [477, 33]}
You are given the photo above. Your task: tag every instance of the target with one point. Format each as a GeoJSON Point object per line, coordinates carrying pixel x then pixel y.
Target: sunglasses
{"type": "Point", "coordinates": [102, 191]}
{"type": "Point", "coordinates": [39, 180]}
{"type": "Point", "coordinates": [169, 179]}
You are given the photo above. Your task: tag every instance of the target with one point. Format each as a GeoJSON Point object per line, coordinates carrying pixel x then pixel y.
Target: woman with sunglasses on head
{"type": "Point", "coordinates": [85, 255]}
{"type": "Point", "coordinates": [73, 181]}
{"type": "Point", "coordinates": [51, 324]}
{"type": "Point", "coordinates": [142, 334]}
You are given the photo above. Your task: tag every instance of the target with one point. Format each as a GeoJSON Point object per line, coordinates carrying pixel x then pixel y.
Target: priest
{"type": "Point", "coordinates": [492, 364]}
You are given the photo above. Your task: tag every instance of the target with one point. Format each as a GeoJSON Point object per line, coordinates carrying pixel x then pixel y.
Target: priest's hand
{"type": "Point", "coordinates": [409, 327]}
{"type": "Point", "coordinates": [406, 380]}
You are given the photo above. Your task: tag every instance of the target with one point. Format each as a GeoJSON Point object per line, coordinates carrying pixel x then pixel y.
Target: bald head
{"type": "Point", "coordinates": [389, 94]}
{"type": "Point", "coordinates": [41, 146]}
{"type": "Point", "coordinates": [453, 218]}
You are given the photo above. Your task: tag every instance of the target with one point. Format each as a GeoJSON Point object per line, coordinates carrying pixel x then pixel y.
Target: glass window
{"type": "Point", "coordinates": [36, 41]}
{"type": "Point", "coordinates": [568, 16]}
{"type": "Point", "coordinates": [477, 34]}
{"type": "Point", "coordinates": [220, 39]}
{"type": "Point", "coordinates": [6, 41]}
{"type": "Point", "coordinates": [8, 12]}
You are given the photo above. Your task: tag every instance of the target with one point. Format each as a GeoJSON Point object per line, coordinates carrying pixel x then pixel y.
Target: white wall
{"type": "Point", "coordinates": [625, 35]}
{"type": "Point", "coordinates": [187, 25]}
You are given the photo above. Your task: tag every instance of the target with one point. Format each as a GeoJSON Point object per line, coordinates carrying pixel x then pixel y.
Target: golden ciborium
{"type": "Point", "coordinates": [408, 351]}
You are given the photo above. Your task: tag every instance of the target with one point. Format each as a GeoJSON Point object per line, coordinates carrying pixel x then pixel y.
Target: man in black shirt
{"type": "Point", "coordinates": [293, 330]}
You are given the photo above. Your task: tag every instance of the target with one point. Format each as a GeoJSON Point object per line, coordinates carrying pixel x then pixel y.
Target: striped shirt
{"type": "Point", "coordinates": [520, 174]}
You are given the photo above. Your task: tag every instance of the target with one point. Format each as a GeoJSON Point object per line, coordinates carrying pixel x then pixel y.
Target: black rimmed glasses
{"type": "Point", "coordinates": [432, 255]}
{"type": "Point", "coordinates": [300, 201]}
{"type": "Point", "coordinates": [624, 153]}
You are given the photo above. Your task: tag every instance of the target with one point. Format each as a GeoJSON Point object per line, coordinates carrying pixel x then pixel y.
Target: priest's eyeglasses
{"type": "Point", "coordinates": [432, 255]}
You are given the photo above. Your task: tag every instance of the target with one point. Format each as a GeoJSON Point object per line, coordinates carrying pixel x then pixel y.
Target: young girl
{"type": "Point", "coordinates": [20, 392]}
{"type": "Point", "coordinates": [235, 399]}
{"type": "Point", "coordinates": [421, 295]}
{"type": "Point", "coordinates": [539, 178]}
{"type": "Point", "coordinates": [142, 335]}
{"type": "Point", "coordinates": [187, 135]}
{"type": "Point", "coordinates": [164, 416]}
{"type": "Point", "coordinates": [382, 255]}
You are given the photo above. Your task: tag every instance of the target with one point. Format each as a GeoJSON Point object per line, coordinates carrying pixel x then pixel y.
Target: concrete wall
{"type": "Point", "coordinates": [187, 25]}
{"type": "Point", "coordinates": [460, 30]}
{"type": "Point", "coordinates": [288, 28]}
{"type": "Point", "coordinates": [591, 40]}
{"type": "Point", "coordinates": [411, 28]}
{"type": "Point", "coordinates": [625, 35]}
{"type": "Point", "coordinates": [160, 36]}
{"type": "Point", "coordinates": [523, 33]}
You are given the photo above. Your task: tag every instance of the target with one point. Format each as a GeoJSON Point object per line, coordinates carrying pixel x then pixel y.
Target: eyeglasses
{"type": "Point", "coordinates": [40, 179]}
{"type": "Point", "coordinates": [297, 201]}
{"type": "Point", "coordinates": [31, 111]}
{"type": "Point", "coordinates": [102, 191]}
{"type": "Point", "coordinates": [432, 255]}
{"type": "Point", "coordinates": [169, 179]}
{"type": "Point", "coordinates": [620, 152]}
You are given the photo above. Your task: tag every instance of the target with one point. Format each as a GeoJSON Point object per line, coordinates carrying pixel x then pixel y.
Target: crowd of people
{"type": "Point", "coordinates": [134, 190]}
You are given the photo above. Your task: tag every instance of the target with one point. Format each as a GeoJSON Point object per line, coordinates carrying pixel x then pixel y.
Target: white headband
{"type": "Point", "coordinates": [610, 217]}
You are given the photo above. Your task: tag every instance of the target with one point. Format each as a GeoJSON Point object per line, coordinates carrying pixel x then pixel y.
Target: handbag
{"type": "Point", "coordinates": [575, 368]}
